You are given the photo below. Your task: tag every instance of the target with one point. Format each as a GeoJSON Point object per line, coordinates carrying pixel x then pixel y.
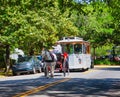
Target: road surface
{"type": "Point", "coordinates": [97, 82]}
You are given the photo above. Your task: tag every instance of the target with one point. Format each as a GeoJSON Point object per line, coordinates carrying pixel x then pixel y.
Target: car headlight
{"type": "Point", "coordinates": [28, 64]}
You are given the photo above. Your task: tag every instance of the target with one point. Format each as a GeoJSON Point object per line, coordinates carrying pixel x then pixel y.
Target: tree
{"type": "Point", "coordinates": [114, 5]}
{"type": "Point", "coordinates": [30, 24]}
{"type": "Point", "coordinates": [95, 22]}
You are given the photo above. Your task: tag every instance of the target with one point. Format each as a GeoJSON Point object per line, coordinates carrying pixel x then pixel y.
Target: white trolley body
{"type": "Point", "coordinates": [78, 51]}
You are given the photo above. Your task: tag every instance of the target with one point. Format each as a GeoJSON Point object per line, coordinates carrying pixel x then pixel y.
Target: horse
{"type": "Point", "coordinates": [49, 63]}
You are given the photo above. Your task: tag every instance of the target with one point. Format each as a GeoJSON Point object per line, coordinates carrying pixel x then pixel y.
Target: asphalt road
{"type": "Point", "coordinates": [97, 82]}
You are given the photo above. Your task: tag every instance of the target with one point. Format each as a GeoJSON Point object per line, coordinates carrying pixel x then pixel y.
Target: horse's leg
{"type": "Point", "coordinates": [47, 69]}
{"type": "Point", "coordinates": [52, 68]}
{"type": "Point", "coordinates": [67, 67]}
{"type": "Point", "coordinates": [44, 67]}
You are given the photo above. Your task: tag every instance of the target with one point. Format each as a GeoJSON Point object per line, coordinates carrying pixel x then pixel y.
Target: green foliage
{"type": "Point", "coordinates": [105, 62]}
{"type": "Point", "coordinates": [115, 6]}
{"type": "Point", "coordinates": [30, 24]}
{"type": "Point", "coordinates": [103, 50]}
{"type": "Point", "coordinates": [96, 22]}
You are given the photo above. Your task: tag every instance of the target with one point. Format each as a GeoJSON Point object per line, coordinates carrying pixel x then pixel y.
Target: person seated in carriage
{"type": "Point", "coordinates": [57, 49]}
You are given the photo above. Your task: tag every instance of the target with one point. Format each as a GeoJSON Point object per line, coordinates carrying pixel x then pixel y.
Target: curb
{"type": "Point", "coordinates": [106, 66]}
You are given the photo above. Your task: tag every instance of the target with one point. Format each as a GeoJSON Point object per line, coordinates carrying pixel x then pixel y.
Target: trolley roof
{"type": "Point", "coordinates": [67, 40]}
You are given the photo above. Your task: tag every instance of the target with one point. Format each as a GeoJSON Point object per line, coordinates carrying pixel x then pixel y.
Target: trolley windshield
{"type": "Point", "coordinates": [75, 46]}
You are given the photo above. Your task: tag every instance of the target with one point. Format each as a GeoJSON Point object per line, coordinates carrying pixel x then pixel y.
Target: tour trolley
{"type": "Point", "coordinates": [78, 51]}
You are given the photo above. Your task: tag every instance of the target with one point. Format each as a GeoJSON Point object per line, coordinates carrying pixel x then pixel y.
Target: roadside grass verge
{"type": "Point", "coordinates": [3, 74]}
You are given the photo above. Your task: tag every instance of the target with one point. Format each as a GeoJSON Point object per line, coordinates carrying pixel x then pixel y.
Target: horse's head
{"type": "Point", "coordinates": [45, 54]}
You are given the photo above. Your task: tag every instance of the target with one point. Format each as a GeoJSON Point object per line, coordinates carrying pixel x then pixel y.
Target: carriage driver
{"type": "Point", "coordinates": [57, 48]}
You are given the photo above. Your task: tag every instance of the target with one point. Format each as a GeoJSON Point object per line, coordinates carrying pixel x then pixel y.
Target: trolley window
{"type": "Point", "coordinates": [68, 48]}
{"type": "Point", "coordinates": [78, 48]}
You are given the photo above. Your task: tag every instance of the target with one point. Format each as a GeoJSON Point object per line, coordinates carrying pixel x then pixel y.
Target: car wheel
{"type": "Point", "coordinates": [60, 70]}
{"type": "Point", "coordinates": [34, 70]}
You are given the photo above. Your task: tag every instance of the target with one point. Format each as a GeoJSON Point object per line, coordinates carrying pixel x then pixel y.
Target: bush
{"type": "Point", "coordinates": [105, 62]}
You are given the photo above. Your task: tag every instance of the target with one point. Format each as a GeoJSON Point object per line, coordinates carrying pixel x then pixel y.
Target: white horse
{"type": "Point", "coordinates": [49, 64]}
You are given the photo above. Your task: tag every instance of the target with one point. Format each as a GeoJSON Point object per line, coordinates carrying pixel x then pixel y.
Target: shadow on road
{"type": "Point", "coordinates": [85, 88]}
{"type": "Point", "coordinates": [109, 68]}
{"type": "Point", "coordinates": [76, 87]}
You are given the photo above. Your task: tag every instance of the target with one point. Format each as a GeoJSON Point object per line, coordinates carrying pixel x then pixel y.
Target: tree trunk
{"type": "Point", "coordinates": [113, 52]}
{"type": "Point", "coordinates": [94, 54]}
{"type": "Point", "coordinates": [31, 52]}
{"type": "Point", "coordinates": [7, 58]}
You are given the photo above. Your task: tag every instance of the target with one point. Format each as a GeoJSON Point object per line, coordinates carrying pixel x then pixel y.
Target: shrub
{"type": "Point", "coordinates": [105, 62]}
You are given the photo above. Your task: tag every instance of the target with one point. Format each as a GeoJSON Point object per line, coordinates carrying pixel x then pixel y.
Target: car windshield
{"type": "Point", "coordinates": [23, 59]}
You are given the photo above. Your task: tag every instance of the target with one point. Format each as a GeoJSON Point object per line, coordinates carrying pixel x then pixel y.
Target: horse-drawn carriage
{"type": "Point", "coordinates": [62, 63]}
{"type": "Point", "coordinates": [75, 55]}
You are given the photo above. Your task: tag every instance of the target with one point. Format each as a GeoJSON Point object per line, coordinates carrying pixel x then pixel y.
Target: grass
{"type": "Point", "coordinates": [3, 74]}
